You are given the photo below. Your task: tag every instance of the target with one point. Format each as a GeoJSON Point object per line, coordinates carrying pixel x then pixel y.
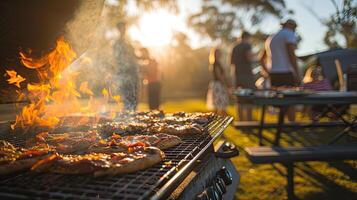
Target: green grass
{"type": "Point", "coordinates": [313, 180]}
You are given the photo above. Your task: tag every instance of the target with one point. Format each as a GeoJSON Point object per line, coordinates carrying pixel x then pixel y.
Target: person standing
{"type": "Point", "coordinates": [128, 69]}
{"type": "Point", "coordinates": [241, 62]}
{"type": "Point", "coordinates": [152, 77]}
{"type": "Point", "coordinates": [279, 59]}
{"type": "Point", "coordinates": [217, 95]}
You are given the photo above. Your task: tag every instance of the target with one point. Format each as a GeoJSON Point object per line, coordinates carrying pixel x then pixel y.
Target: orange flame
{"type": "Point", "coordinates": [14, 78]}
{"type": "Point", "coordinates": [57, 94]}
{"type": "Point", "coordinates": [36, 113]}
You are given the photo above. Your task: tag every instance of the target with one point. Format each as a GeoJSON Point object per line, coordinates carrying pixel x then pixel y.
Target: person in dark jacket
{"type": "Point", "coordinates": [241, 62]}
{"type": "Point", "coordinates": [152, 76]}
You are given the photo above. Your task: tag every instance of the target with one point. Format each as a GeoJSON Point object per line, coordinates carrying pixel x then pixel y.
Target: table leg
{"type": "Point", "coordinates": [282, 111]}
{"type": "Point", "coordinates": [351, 127]}
{"type": "Point", "coordinates": [338, 114]}
{"type": "Point", "coordinates": [261, 127]}
{"type": "Point", "coordinates": [290, 181]}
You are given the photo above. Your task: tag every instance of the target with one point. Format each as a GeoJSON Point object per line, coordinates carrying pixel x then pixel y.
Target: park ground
{"type": "Point", "coordinates": [313, 180]}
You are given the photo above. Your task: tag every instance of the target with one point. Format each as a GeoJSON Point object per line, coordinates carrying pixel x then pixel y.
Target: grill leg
{"type": "Point", "coordinates": [290, 181]}
{"type": "Point", "coordinates": [261, 127]}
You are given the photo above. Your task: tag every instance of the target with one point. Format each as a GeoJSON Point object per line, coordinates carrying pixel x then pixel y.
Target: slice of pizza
{"type": "Point", "coordinates": [14, 159]}
{"type": "Point", "coordinates": [101, 164]}
{"type": "Point", "coordinates": [123, 163]}
{"type": "Point", "coordinates": [65, 143]}
{"type": "Point", "coordinates": [116, 143]}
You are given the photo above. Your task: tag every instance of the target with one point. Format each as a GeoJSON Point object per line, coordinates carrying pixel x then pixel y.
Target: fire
{"type": "Point", "coordinates": [32, 115]}
{"type": "Point", "coordinates": [14, 78]}
{"type": "Point", "coordinates": [53, 63]}
{"type": "Point", "coordinates": [56, 95]}
{"type": "Point", "coordinates": [49, 68]}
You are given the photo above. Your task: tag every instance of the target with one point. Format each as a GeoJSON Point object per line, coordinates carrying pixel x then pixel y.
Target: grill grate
{"type": "Point", "coordinates": [139, 185]}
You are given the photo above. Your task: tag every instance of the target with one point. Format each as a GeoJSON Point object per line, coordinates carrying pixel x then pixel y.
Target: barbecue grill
{"type": "Point", "coordinates": [165, 180]}
{"type": "Point", "coordinates": [193, 169]}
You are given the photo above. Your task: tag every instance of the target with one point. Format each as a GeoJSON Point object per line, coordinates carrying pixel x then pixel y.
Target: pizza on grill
{"type": "Point", "coordinates": [117, 143]}
{"type": "Point", "coordinates": [199, 118]}
{"type": "Point", "coordinates": [101, 164]}
{"type": "Point", "coordinates": [123, 128]}
{"type": "Point", "coordinates": [66, 142]}
{"type": "Point", "coordinates": [135, 143]}
{"type": "Point", "coordinates": [14, 159]}
{"type": "Point", "coordinates": [175, 129]}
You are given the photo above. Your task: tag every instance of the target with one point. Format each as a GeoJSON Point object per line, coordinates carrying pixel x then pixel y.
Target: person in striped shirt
{"type": "Point", "coordinates": [314, 80]}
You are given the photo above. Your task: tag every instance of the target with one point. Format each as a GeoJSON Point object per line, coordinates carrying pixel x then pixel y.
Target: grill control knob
{"type": "Point", "coordinates": [225, 175]}
{"type": "Point", "coordinates": [213, 194]}
{"type": "Point", "coordinates": [221, 184]}
{"type": "Point", "coordinates": [218, 189]}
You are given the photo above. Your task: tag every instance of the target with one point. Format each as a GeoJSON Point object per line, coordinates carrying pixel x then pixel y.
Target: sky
{"type": "Point", "coordinates": [155, 29]}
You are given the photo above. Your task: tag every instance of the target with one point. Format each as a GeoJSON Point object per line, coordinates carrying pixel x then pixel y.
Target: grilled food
{"type": "Point", "coordinates": [72, 142]}
{"type": "Point", "coordinates": [123, 128]}
{"type": "Point", "coordinates": [179, 130]}
{"type": "Point", "coordinates": [14, 159]}
{"type": "Point", "coordinates": [116, 143]}
{"type": "Point", "coordinates": [177, 124]}
{"type": "Point", "coordinates": [134, 142]}
{"type": "Point", "coordinates": [101, 164]}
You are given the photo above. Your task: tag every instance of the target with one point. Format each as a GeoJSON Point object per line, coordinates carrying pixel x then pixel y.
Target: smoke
{"type": "Point", "coordinates": [106, 59]}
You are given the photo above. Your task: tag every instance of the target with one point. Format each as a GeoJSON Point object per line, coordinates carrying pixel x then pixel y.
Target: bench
{"type": "Point", "coordinates": [256, 124]}
{"type": "Point", "coordinates": [289, 155]}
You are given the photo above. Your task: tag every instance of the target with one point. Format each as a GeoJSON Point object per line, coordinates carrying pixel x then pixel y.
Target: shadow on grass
{"type": "Point", "coordinates": [331, 190]}
{"type": "Point", "coordinates": [346, 168]}
{"type": "Point", "coordinates": [254, 136]}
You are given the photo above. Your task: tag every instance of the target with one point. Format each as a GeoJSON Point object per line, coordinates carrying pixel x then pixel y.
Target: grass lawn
{"type": "Point", "coordinates": [313, 180]}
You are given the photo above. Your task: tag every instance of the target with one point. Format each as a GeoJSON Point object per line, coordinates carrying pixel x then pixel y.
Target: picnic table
{"type": "Point", "coordinates": [283, 101]}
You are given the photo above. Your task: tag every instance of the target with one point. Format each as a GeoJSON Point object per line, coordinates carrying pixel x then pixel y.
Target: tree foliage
{"type": "Point", "coordinates": [220, 19]}
{"type": "Point", "coordinates": [343, 22]}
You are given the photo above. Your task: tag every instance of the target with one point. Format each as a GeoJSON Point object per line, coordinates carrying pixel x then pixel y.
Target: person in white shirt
{"type": "Point", "coordinates": [279, 59]}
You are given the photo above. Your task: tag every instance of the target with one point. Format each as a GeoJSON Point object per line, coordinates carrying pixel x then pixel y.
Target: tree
{"type": "Point", "coordinates": [342, 23]}
{"type": "Point", "coordinates": [220, 19]}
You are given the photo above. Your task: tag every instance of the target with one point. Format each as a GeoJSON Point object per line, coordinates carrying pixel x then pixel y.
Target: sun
{"type": "Point", "coordinates": [154, 29]}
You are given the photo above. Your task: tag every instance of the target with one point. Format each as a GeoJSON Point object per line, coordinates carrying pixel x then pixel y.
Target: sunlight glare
{"type": "Point", "coordinates": [154, 29]}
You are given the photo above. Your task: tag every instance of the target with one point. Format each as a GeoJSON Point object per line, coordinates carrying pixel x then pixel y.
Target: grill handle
{"type": "Point", "coordinates": [227, 150]}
